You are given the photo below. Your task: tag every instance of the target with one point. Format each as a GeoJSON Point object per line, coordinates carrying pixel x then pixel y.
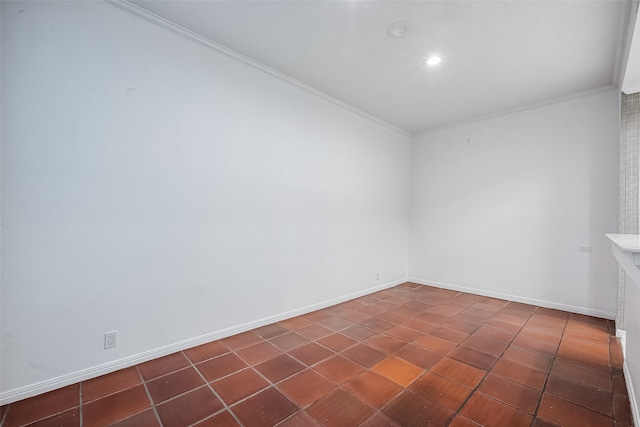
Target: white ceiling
{"type": "Point", "coordinates": [497, 55]}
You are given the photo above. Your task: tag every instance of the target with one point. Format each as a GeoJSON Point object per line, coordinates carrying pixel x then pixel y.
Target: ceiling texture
{"type": "Point", "coordinates": [497, 56]}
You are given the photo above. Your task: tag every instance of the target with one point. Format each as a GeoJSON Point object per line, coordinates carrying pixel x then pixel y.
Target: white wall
{"type": "Point", "coordinates": [501, 206]}
{"type": "Point", "coordinates": [156, 187]}
{"type": "Point", "coordinates": [632, 354]}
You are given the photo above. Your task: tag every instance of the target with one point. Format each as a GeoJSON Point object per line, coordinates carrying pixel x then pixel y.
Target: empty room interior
{"type": "Point", "coordinates": [320, 213]}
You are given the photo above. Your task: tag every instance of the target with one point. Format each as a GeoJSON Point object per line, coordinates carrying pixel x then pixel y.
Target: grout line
{"type": "Point", "coordinates": [146, 389]}
{"type": "Point", "coordinates": [208, 384]}
{"type": "Point", "coordinates": [81, 407]}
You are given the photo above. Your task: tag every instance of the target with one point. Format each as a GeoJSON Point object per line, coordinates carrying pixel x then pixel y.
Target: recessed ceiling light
{"type": "Point", "coordinates": [399, 29]}
{"type": "Point", "coordinates": [433, 60]}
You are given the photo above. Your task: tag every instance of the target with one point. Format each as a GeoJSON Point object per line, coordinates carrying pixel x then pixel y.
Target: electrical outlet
{"type": "Point", "coordinates": [584, 249]}
{"type": "Point", "coordinates": [377, 276]}
{"type": "Point", "coordinates": [110, 339]}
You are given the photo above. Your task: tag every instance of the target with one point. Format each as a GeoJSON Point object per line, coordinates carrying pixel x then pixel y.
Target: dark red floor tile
{"type": "Point", "coordinates": [258, 353]}
{"type": "Point", "coordinates": [535, 346]}
{"type": "Point", "coordinates": [296, 323]}
{"type": "Point", "coordinates": [43, 406]}
{"type": "Point", "coordinates": [441, 390]}
{"type": "Point", "coordinates": [510, 392]}
{"type": "Point", "coordinates": [315, 331]}
{"type": "Point", "coordinates": [338, 369]}
{"type": "Point", "coordinates": [492, 413]}
{"type": "Point", "coordinates": [437, 345]}
{"type": "Point", "coordinates": [530, 359]}
{"type": "Point", "coordinates": [404, 334]}
{"type": "Point", "coordinates": [472, 357]}
{"type": "Point", "coordinates": [289, 341]}
{"type": "Point", "coordinates": [505, 317]}
{"type": "Point", "coordinates": [485, 345]}
{"type": "Point", "coordinates": [373, 389]}
{"type": "Point", "coordinates": [460, 372]}
{"type": "Point", "coordinates": [237, 386]}
{"type": "Point", "coordinates": [359, 332]}
{"type": "Point", "coordinates": [221, 366]}
{"type": "Point", "coordinates": [420, 326]}
{"type": "Point", "coordinates": [221, 419]}
{"type": "Point", "coordinates": [311, 354]}
{"type": "Point", "coordinates": [434, 318]}
{"type": "Point", "coordinates": [600, 350]}
{"type": "Point", "coordinates": [568, 414]}
{"type": "Point", "coordinates": [266, 409]}
{"type": "Point", "coordinates": [147, 419]}
{"type": "Point", "coordinates": [582, 358]}
{"type": "Point", "coordinates": [393, 317]}
{"type": "Point", "coordinates": [299, 419]}
{"type": "Point", "coordinates": [377, 324]}
{"type": "Point", "coordinates": [419, 356]}
{"type": "Point", "coordinates": [619, 385]}
{"type": "Point", "coordinates": [306, 387]}
{"type": "Point", "coordinates": [501, 325]}
{"type": "Point", "coordinates": [398, 370]}
{"type": "Point", "coordinates": [449, 334]}
{"type": "Point", "coordinates": [336, 323]}
{"type": "Point", "coordinates": [337, 342]}
{"type": "Point", "coordinates": [386, 343]}
{"type": "Point", "coordinates": [206, 351]}
{"type": "Point", "coordinates": [279, 368]}
{"type": "Point", "coordinates": [243, 340]}
{"type": "Point", "coordinates": [189, 408]}
{"type": "Point", "coordinates": [176, 383]}
{"type": "Point", "coordinates": [622, 408]}
{"type": "Point", "coordinates": [380, 420]}
{"type": "Point", "coordinates": [582, 375]}
{"type": "Point", "coordinates": [355, 316]}
{"type": "Point", "coordinates": [588, 397]}
{"type": "Point", "coordinates": [519, 373]}
{"type": "Point", "coordinates": [109, 384]}
{"type": "Point", "coordinates": [339, 408]}
{"type": "Point", "coordinates": [163, 365]}
{"type": "Point", "coordinates": [461, 325]}
{"type": "Point", "coordinates": [70, 418]}
{"type": "Point", "coordinates": [364, 354]}
{"type": "Point", "coordinates": [270, 331]}
{"type": "Point", "coordinates": [115, 407]}
{"type": "Point", "coordinates": [411, 410]}
{"type": "Point", "coordinates": [493, 334]}
{"type": "Point", "coordinates": [460, 421]}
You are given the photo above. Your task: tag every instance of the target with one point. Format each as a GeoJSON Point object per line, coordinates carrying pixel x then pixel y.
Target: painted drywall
{"type": "Point", "coordinates": [156, 187]}
{"type": "Point", "coordinates": [632, 353]}
{"type": "Point", "coordinates": [501, 206]}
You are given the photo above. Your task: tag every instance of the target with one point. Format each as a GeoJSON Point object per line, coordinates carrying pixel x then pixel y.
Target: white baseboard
{"type": "Point", "coordinates": [31, 390]}
{"type": "Point", "coordinates": [515, 298]}
{"type": "Point", "coordinates": [623, 340]}
{"type": "Point", "coordinates": [635, 410]}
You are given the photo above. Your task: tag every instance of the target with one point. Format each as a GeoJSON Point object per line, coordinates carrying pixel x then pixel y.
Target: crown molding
{"type": "Point", "coordinates": [515, 110]}
{"type": "Point", "coordinates": [144, 14]}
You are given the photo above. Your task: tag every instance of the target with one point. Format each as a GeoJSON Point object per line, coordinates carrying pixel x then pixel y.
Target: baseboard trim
{"type": "Point", "coordinates": [25, 392]}
{"type": "Point", "coordinates": [622, 334]}
{"type": "Point", "coordinates": [635, 410]}
{"type": "Point", "coordinates": [515, 298]}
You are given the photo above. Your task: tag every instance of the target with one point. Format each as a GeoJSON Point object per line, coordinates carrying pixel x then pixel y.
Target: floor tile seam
{"type": "Point", "coordinates": [215, 393]}
{"type": "Point", "coordinates": [81, 407]}
{"type": "Point", "coordinates": [270, 383]}
{"type": "Point", "coordinates": [547, 377]}
{"type": "Point", "coordinates": [30, 423]}
{"type": "Point", "coordinates": [153, 406]}
{"type": "Point", "coordinates": [6, 414]}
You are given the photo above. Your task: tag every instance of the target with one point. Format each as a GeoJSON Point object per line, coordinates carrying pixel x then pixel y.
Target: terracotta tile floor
{"type": "Point", "coordinates": [411, 355]}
